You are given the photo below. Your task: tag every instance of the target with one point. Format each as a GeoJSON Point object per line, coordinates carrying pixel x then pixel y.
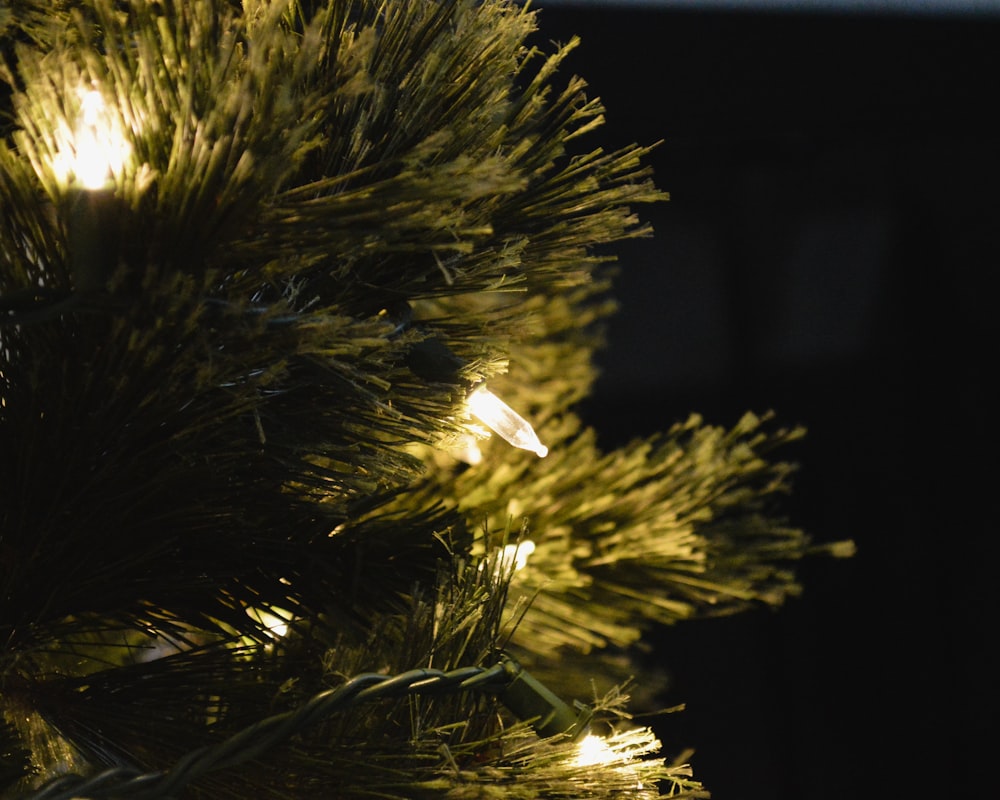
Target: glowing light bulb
{"type": "Point", "coordinates": [96, 149]}
{"type": "Point", "coordinates": [274, 623]}
{"type": "Point", "coordinates": [592, 750]}
{"type": "Point", "coordinates": [516, 555]}
{"type": "Point", "coordinates": [504, 421]}
{"type": "Point", "coordinates": [512, 557]}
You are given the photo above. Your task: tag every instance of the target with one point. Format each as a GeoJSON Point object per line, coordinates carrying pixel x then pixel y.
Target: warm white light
{"type": "Point", "coordinates": [272, 620]}
{"type": "Point", "coordinates": [593, 750]}
{"type": "Point", "coordinates": [511, 558]}
{"type": "Point", "coordinates": [468, 450]}
{"type": "Point", "coordinates": [625, 752]}
{"type": "Point", "coordinates": [96, 149]}
{"type": "Point", "coordinates": [516, 555]}
{"type": "Point", "coordinates": [503, 420]}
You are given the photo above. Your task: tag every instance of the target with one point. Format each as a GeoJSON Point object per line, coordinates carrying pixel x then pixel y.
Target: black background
{"type": "Point", "coordinates": [827, 253]}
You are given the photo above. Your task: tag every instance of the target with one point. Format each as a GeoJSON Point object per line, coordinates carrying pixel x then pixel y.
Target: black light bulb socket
{"type": "Point", "coordinates": [93, 232]}
{"type": "Point", "coordinates": [430, 359]}
{"type": "Point", "coordinates": [529, 700]}
{"type": "Point", "coordinates": [433, 361]}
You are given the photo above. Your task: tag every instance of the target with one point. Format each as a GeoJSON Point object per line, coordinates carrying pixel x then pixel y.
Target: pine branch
{"type": "Point", "coordinates": [214, 421]}
{"type": "Point", "coordinates": [685, 524]}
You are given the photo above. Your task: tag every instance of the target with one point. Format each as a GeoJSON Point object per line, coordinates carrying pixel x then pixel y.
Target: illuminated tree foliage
{"type": "Point", "coordinates": [237, 467]}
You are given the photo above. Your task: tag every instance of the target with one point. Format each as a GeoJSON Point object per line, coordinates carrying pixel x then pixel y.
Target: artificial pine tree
{"type": "Point", "coordinates": [256, 259]}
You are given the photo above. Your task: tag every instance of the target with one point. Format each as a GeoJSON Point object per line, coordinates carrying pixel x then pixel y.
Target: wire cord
{"type": "Point", "coordinates": [132, 783]}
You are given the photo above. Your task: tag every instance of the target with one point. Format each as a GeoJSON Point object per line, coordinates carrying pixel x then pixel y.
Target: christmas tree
{"type": "Point", "coordinates": [264, 531]}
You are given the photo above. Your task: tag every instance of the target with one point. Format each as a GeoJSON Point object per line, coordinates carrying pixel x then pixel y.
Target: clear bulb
{"type": "Point", "coordinates": [512, 557]}
{"type": "Point", "coordinates": [516, 555]}
{"type": "Point", "coordinates": [592, 750]}
{"type": "Point", "coordinates": [504, 421]}
{"type": "Point", "coordinates": [96, 149]}
{"type": "Point", "coordinates": [274, 620]}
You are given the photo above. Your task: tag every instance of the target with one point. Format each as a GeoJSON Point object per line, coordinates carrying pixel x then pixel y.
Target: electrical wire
{"type": "Point", "coordinates": [132, 783]}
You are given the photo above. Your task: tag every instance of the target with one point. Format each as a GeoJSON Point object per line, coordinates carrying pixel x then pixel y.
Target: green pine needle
{"type": "Point", "coordinates": [227, 479]}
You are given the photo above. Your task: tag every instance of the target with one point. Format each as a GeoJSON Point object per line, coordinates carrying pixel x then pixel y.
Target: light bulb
{"type": "Point", "coordinates": [592, 750]}
{"type": "Point", "coordinates": [504, 421]}
{"type": "Point", "coordinates": [96, 149]}
{"type": "Point", "coordinates": [274, 620]}
{"type": "Point", "coordinates": [516, 555]}
{"type": "Point", "coordinates": [511, 558]}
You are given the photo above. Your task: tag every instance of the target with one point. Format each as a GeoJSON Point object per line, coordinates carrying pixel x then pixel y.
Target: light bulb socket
{"type": "Point", "coordinates": [93, 234]}
{"type": "Point", "coordinates": [433, 361]}
{"type": "Point", "coordinates": [529, 700]}
{"type": "Point", "coordinates": [429, 359]}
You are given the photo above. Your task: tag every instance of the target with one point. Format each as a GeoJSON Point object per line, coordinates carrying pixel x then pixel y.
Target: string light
{"type": "Point", "coordinates": [274, 620]}
{"type": "Point", "coordinates": [510, 558]}
{"type": "Point", "coordinates": [85, 163]}
{"type": "Point", "coordinates": [516, 555]}
{"type": "Point", "coordinates": [504, 421]}
{"type": "Point", "coordinates": [96, 149]}
{"type": "Point", "coordinates": [624, 752]}
{"type": "Point", "coordinates": [433, 360]}
{"type": "Point", "coordinates": [592, 750]}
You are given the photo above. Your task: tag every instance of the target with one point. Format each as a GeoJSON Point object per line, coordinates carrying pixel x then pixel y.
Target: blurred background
{"type": "Point", "coordinates": [827, 253]}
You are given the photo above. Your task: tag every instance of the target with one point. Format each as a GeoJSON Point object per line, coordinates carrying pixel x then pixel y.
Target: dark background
{"type": "Point", "coordinates": [827, 253]}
